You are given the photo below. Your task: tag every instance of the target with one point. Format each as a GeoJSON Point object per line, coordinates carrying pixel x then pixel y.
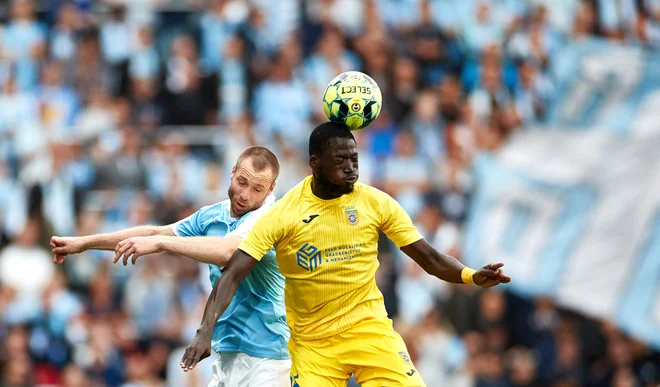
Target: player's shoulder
{"type": "Point", "coordinates": [374, 200]}
{"type": "Point", "coordinates": [212, 211]}
{"type": "Point", "coordinates": [371, 193]}
{"type": "Point", "coordinates": [293, 195]}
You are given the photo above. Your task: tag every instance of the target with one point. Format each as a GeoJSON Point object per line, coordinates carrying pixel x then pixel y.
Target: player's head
{"type": "Point", "coordinates": [252, 179]}
{"type": "Point", "coordinates": [333, 157]}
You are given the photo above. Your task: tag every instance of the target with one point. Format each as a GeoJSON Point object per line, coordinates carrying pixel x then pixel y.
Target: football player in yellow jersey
{"type": "Point", "coordinates": [325, 234]}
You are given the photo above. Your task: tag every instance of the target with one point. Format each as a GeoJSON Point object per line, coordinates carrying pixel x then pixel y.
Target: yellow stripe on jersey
{"type": "Point", "coordinates": [327, 251]}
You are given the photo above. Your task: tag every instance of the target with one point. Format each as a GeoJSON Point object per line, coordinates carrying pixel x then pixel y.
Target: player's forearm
{"type": "Point", "coordinates": [218, 301]}
{"type": "Point", "coordinates": [212, 250]}
{"type": "Point", "coordinates": [239, 266]}
{"type": "Point", "coordinates": [445, 267]}
{"type": "Point", "coordinates": [110, 240]}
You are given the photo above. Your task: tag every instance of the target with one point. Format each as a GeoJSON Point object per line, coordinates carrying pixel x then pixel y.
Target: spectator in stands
{"type": "Point", "coordinates": [96, 118]}
{"type": "Point", "coordinates": [115, 36]}
{"type": "Point", "coordinates": [426, 124]}
{"type": "Point", "coordinates": [144, 63]}
{"type": "Point", "coordinates": [17, 371]}
{"type": "Point", "coordinates": [58, 101]}
{"type": "Point", "coordinates": [442, 356]}
{"type": "Point", "coordinates": [99, 356]}
{"type": "Point", "coordinates": [147, 113]}
{"type": "Point", "coordinates": [436, 52]}
{"type": "Point", "coordinates": [220, 21]}
{"type": "Point", "coordinates": [173, 171]}
{"type": "Point", "coordinates": [13, 205]}
{"type": "Point", "coordinates": [482, 29]}
{"type": "Point", "coordinates": [20, 108]}
{"type": "Point", "coordinates": [490, 91]}
{"type": "Point", "coordinates": [66, 171]}
{"type": "Point", "coordinates": [532, 93]}
{"type": "Point", "coordinates": [522, 367]}
{"type": "Point", "coordinates": [538, 41]}
{"type": "Point", "coordinates": [190, 97]}
{"type": "Point", "coordinates": [73, 376]}
{"type": "Point", "coordinates": [24, 42]}
{"type": "Point", "coordinates": [63, 39]}
{"type": "Point", "coordinates": [126, 169]}
{"type": "Point", "coordinates": [405, 87]}
{"type": "Point", "coordinates": [89, 72]}
{"type": "Point", "coordinates": [376, 52]}
{"type": "Point", "coordinates": [151, 300]}
{"type": "Point", "coordinates": [281, 96]}
{"type": "Point", "coordinates": [330, 57]}
{"type": "Point", "coordinates": [405, 173]}
{"type": "Point", "coordinates": [584, 22]}
{"type": "Point", "coordinates": [234, 80]}
{"type": "Point", "coordinates": [22, 259]}
{"type": "Point", "coordinates": [452, 16]}
{"type": "Point", "coordinates": [617, 21]}
{"type": "Point", "coordinates": [561, 13]}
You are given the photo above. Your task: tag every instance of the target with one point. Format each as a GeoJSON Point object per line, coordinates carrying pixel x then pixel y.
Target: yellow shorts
{"type": "Point", "coordinates": [371, 350]}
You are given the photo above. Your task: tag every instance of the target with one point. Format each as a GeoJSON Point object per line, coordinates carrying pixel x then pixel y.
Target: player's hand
{"type": "Point", "coordinates": [198, 350]}
{"type": "Point", "coordinates": [490, 275]}
{"type": "Point", "coordinates": [63, 246]}
{"type": "Point", "coordinates": [136, 247]}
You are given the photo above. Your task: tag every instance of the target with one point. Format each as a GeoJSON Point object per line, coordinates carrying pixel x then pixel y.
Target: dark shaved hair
{"type": "Point", "coordinates": [261, 159]}
{"type": "Point", "coordinates": [322, 134]}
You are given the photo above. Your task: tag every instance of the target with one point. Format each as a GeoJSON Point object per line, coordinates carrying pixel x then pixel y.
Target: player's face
{"type": "Point", "coordinates": [339, 164]}
{"type": "Point", "coordinates": [249, 188]}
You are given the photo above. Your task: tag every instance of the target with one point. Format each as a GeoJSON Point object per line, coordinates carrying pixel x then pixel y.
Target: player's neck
{"type": "Point", "coordinates": [323, 190]}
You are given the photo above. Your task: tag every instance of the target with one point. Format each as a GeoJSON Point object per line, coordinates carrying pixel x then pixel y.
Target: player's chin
{"type": "Point", "coordinates": [346, 188]}
{"type": "Point", "coordinates": [240, 211]}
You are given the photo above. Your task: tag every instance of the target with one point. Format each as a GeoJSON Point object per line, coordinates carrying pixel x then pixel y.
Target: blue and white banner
{"type": "Point", "coordinates": [605, 85]}
{"type": "Point", "coordinates": [575, 214]}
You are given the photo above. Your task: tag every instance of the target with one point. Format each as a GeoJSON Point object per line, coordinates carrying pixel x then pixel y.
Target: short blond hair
{"type": "Point", "coordinates": [261, 159]}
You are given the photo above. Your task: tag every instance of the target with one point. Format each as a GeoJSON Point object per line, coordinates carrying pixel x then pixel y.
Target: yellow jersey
{"type": "Point", "coordinates": [327, 251]}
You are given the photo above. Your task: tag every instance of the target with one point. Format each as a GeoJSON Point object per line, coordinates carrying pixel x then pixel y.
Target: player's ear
{"type": "Point", "coordinates": [313, 161]}
{"type": "Point", "coordinates": [233, 172]}
{"type": "Point", "coordinates": [272, 187]}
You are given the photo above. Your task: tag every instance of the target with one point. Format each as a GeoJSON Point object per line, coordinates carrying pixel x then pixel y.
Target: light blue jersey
{"type": "Point", "coordinates": [254, 323]}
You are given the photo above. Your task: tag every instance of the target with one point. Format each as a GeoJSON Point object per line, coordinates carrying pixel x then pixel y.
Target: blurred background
{"type": "Point", "coordinates": [521, 131]}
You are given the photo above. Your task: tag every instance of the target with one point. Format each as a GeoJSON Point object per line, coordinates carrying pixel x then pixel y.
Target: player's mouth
{"type": "Point", "coordinates": [239, 206]}
{"type": "Point", "coordinates": [351, 179]}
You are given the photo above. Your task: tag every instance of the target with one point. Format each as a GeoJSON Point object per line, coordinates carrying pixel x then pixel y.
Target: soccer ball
{"type": "Point", "coordinates": [352, 99]}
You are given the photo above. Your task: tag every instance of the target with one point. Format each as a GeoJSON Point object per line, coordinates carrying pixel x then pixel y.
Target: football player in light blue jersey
{"type": "Point", "coordinates": [251, 336]}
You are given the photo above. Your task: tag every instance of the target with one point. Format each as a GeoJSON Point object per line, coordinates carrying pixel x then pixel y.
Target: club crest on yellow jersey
{"type": "Point", "coordinates": [352, 215]}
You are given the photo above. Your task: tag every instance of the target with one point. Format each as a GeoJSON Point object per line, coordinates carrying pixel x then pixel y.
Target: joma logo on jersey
{"type": "Point", "coordinates": [294, 380]}
{"type": "Point", "coordinates": [309, 257]}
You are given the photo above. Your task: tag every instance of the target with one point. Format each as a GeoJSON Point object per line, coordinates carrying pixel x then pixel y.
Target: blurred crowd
{"type": "Point", "coordinates": [117, 113]}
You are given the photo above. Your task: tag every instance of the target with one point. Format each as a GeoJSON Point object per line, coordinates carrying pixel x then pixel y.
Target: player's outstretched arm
{"type": "Point", "coordinates": [213, 250]}
{"type": "Point", "coordinates": [449, 269]}
{"type": "Point", "coordinates": [63, 246]}
{"type": "Point", "coordinates": [237, 269]}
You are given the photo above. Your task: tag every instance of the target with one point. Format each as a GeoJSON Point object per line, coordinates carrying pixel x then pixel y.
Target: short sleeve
{"type": "Point", "coordinates": [396, 223]}
{"type": "Point", "coordinates": [264, 233]}
{"type": "Point", "coordinates": [190, 226]}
